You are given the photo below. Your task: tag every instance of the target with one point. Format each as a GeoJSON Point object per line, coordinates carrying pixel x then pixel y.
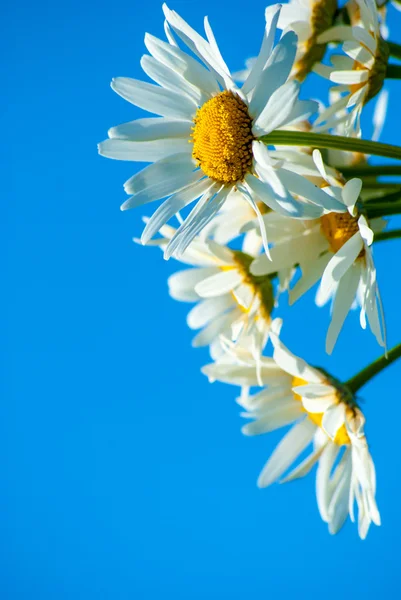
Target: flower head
{"type": "Point", "coordinates": [231, 304]}
{"type": "Point", "coordinates": [335, 248]}
{"type": "Point", "coordinates": [360, 74]}
{"type": "Point", "coordinates": [205, 143]}
{"type": "Point", "coordinates": [324, 413]}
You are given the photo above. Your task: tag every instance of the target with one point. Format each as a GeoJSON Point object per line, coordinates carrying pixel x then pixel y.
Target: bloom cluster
{"type": "Point", "coordinates": [256, 217]}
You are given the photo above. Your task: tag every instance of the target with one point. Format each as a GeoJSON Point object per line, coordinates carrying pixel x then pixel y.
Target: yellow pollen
{"type": "Point", "coordinates": [342, 437]}
{"type": "Point", "coordinates": [222, 138]}
{"type": "Point", "coordinates": [338, 228]}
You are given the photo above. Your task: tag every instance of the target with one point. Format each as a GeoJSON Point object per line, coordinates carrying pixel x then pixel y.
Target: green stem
{"type": "Point", "coordinates": [393, 71]}
{"type": "Point", "coordinates": [380, 185]}
{"type": "Point", "coordinates": [387, 235]}
{"type": "Point", "coordinates": [395, 49]}
{"type": "Point", "coordinates": [370, 170]}
{"type": "Point", "coordinates": [385, 209]}
{"type": "Point", "coordinates": [361, 378]}
{"type": "Point", "coordinates": [337, 142]}
{"type": "Point", "coordinates": [387, 198]}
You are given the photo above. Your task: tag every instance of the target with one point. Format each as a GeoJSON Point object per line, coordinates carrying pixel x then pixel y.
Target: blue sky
{"type": "Point", "coordinates": [124, 473]}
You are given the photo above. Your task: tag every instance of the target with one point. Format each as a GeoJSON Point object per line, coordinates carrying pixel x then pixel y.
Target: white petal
{"type": "Point", "coordinates": [345, 296]}
{"type": "Point", "coordinates": [313, 390]}
{"type": "Point", "coordinates": [199, 46]}
{"type": "Point", "coordinates": [158, 171]}
{"type": "Point", "coordinates": [215, 328]}
{"type": "Point", "coordinates": [271, 16]}
{"type": "Point", "coordinates": [282, 414]}
{"type": "Point", "coordinates": [278, 109]}
{"type": "Point", "coordinates": [339, 265]}
{"type": "Point", "coordinates": [349, 77]}
{"type": "Point", "coordinates": [173, 205]}
{"type": "Point", "coordinates": [275, 73]}
{"type": "Point", "coordinates": [154, 128]}
{"type": "Point", "coordinates": [290, 447]}
{"type": "Point", "coordinates": [292, 364]}
{"type": "Point", "coordinates": [219, 284]}
{"type": "Point", "coordinates": [207, 310]}
{"type": "Point", "coordinates": [170, 80]}
{"type": "Point", "coordinates": [182, 284]}
{"type": "Point", "coordinates": [143, 151]}
{"type": "Point", "coordinates": [365, 38]}
{"type": "Point", "coordinates": [182, 63]}
{"type": "Point", "coordinates": [172, 183]}
{"type": "Point", "coordinates": [155, 99]}
{"type": "Point", "coordinates": [350, 192]}
{"type": "Point", "coordinates": [303, 187]}
{"type": "Point", "coordinates": [204, 211]}
{"type": "Point", "coordinates": [305, 467]}
{"type": "Point", "coordinates": [323, 487]}
{"type": "Point", "coordinates": [310, 276]}
{"type": "Point", "coordinates": [333, 419]}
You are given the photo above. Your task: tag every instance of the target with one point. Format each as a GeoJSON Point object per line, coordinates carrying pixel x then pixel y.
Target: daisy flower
{"type": "Point", "coordinates": [335, 248]}
{"type": "Point", "coordinates": [231, 304]}
{"type": "Point", "coordinates": [324, 413]}
{"type": "Point", "coordinates": [206, 141]}
{"type": "Point", "coordinates": [360, 74]}
{"type": "Point", "coordinates": [308, 19]}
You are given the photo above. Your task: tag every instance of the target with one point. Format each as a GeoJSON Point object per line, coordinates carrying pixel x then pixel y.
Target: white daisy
{"type": "Point", "coordinates": [360, 74]}
{"type": "Point", "coordinates": [231, 304]}
{"type": "Point", "coordinates": [335, 248]}
{"type": "Point", "coordinates": [205, 143]}
{"type": "Point", "coordinates": [307, 19]}
{"type": "Point", "coordinates": [324, 413]}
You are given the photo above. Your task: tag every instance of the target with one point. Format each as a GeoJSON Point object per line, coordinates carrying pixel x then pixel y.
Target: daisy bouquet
{"type": "Point", "coordinates": [263, 193]}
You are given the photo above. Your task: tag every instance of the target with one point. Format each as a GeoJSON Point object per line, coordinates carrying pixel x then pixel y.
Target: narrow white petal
{"type": "Point", "coordinates": [278, 109]}
{"type": "Point", "coordinates": [305, 467]}
{"type": "Point", "coordinates": [323, 487]}
{"type": "Point", "coordinates": [182, 284]}
{"type": "Point", "coordinates": [182, 63]}
{"type": "Point", "coordinates": [155, 99]}
{"type": "Point", "coordinates": [219, 284]}
{"type": "Point", "coordinates": [339, 265]}
{"type": "Point", "coordinates": [170, 80]}
{"type": "Point", "coordinates": [345, 296]}
{"type": "Point", "coordinates": [333, 419]}
{"type": "Point", "coordinates": [142, 151]}
{"type": "Point", "coordinates": [154, 128]}
{"type": "Point", "coordinates": [290, 447]}
{"type": "Point", "coordinates": [282, 415]}
{"type": "Point", "coordinates": [275, 73]}
{"type": "Point", "coordinates": [207, 310]}
{"type": "Point", "coordinates": [176, 181]}
{"type": "Point", "coordinates": [271, 16]}
{"type": "Point", "coordinates": [173, 205]}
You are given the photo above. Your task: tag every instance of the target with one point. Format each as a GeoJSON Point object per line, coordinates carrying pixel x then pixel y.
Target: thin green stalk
{"type": "Point", "coordinates": [395, 49]}
{"type": "Point", "coordinates": [370, 170]}
{"type": "Point", "coordinates": [387, 235]}
{"type": "Point", "coordinates": [393, 71]}
{"type": "Point", "coordinates": [387, 198]}
{"type": "Point", "coordinates": [362, 378]}
{"type": "Point", "coordinates": [337, 142]}
{"type": "Point", "coordinates": [380, 185]}
{"type": "Point", "coordinates": [385, 209]}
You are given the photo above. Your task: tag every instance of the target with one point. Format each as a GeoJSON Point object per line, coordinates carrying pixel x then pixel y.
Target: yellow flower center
{"type": "Point", "coordinates": [338, 228]}
{"type": "Point", "coordinates": [222, 138]}
{"type": "Point", "coordinates": [342, 437]}
{"type": "Point", "coordinates": [261, 286]}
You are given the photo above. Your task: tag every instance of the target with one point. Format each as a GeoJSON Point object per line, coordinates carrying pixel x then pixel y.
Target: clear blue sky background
{"type": "Point", "coordinates": [123, 472]}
